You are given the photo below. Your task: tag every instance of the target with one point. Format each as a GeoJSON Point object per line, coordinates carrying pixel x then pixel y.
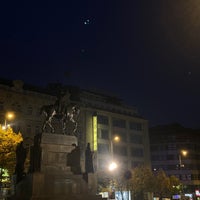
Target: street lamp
{"type": "Point", "coordinates": [112, 166]}
{"type": "Point", "coordinates": [181, 165]}
{"type": "Point", "coordinates": [115, 139]}
{"type": "Point", "coordinates": [182, 153]}
{"type": "Point", "coordinates": [8, 116]}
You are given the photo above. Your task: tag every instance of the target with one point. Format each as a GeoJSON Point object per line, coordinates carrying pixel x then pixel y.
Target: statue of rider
{"type": "Point", "coordinates": [63, 100]}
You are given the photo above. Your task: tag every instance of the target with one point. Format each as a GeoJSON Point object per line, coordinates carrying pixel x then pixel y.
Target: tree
{"type": "Point", "coordinates": [142, 182]}
{"type": "Point", "coordinates": [165, 186]}
{"type": "Point", "coordinates": [174, 185]}
{"type": "Point", "coordinates": [8, 143]}
{"type": "Point", "coordinates": [162, 184]}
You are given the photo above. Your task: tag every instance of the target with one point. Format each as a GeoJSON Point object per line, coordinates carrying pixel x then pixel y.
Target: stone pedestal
{"type": "Point", "coordinates": [55, 179]}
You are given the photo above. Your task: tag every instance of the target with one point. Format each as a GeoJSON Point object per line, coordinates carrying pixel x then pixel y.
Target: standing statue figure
{"type": "Point", "coordinates": [73, 159]}
{"type": "Point", "coordinates": [89, 160]}
{"type": "Point", "coordinates": [21, 154]}
{"type": "Point", "coordinates": [35, 154]}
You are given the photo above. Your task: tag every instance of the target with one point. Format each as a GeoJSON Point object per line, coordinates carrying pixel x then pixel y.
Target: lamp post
{"type": "Point", "coordinates": [113, 166]}
{"type": "Point", "coordinates": [182, 153]}
{"type": "Point", "coordinates": [115, 139]}
{"type": "Point", "coordinates": [181, 165]}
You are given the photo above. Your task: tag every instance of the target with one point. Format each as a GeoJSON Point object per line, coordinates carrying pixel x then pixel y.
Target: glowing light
{"type": "Point", "coordinates": [87, 21]}
{"type": "Point", "coordinates": [4, 127]}
{"type": "Point", "coordinates": [116, 139]}
{"type": "Point", "coordinates": [112, 166]}
{"type": "Point", "coordinates": [184, 152]}
{"type": "Point", "coordinates": [9, 115]}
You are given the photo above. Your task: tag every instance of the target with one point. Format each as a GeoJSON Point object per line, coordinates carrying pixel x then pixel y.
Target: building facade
{"type": "Point", "coordinates": [102, 117]}
{"type": "Point", "coordinates": [176, 150]}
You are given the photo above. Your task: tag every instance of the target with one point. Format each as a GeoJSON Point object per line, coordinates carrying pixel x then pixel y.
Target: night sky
{"type": "Point", "coordinates": [145, 52]}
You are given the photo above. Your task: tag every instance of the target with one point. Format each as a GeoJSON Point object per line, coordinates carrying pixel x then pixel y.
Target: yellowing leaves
{"type": "Point", "coordinates": [8, 144]}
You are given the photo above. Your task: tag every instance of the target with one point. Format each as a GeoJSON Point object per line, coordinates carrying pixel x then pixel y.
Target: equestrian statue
{"type": "Point", "coordinates": [63, 110]}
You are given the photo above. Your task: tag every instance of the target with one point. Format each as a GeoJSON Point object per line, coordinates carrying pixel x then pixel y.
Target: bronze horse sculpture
{"type": "Point", "coordinates": [68, 113]}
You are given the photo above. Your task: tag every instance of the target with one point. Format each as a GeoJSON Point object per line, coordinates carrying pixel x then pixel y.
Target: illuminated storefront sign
{"type": "Point", "coordinates": [95, 132]}
{"type": "Point", "coordinates": [197, 193]}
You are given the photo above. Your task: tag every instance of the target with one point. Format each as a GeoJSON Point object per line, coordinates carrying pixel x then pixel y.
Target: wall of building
{"type": "Point", "coordinates": [122, 120]}
{"type": "Point", "coordinates": [166, 143]}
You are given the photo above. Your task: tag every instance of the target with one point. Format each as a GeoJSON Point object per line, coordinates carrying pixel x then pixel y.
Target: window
{"type": "Point", "coordinates": [136, 164]}
{"type": "Point", "coordinates": [16, 107]}
{"type": "Point", "coordinates": [28, 129]}
{"type": "Point", "coordinates": [120, 150]}
{"type": "Point", "coordinates": [170, 157]}
{"type": "Point", "coordinates": [119, 123]}
{"type": "Point", "coordinates": [1, 105]}
{"type": "Point", "coordinates": [154, 148]}
{"type": "Point", "coordinates": [103, 134]}
{"type": "Point", "coordinates": [124, 164]}
{"type": "Point", "coordinates": [135, 126]}
{"type": "Point", "coordinates": [137, 152]}
{"type": "Point", "coordinates": [102, 164]}
{"type": "Point", "coordinates": [103, 148]}
{"type": "Point", "coordinates": [38, 112]}
{"type": "Point", "coordinates": [154, 157]}
{"type": "Point", "coordinates": [136, 139]}
{"type": "Point", "coordinates": [29, 110]}
{"type": "Point", "coordinates": [102, 119]}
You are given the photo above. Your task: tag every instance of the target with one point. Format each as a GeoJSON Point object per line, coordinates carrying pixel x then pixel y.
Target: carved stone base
{"type": "Point", "coordinates": [55, 179]}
